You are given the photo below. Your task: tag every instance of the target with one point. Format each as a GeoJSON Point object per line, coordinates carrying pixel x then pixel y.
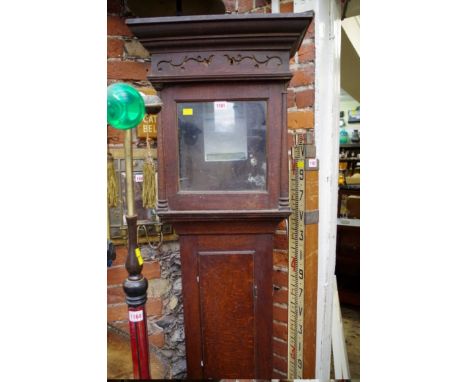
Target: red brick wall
{"type": "Point", "coordinates": [127, 61]}
{"type": "Point", "coordinates": [117, 313]}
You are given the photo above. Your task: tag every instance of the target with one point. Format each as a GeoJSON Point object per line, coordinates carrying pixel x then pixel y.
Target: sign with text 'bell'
{"type": "Point", "coordinates": [147, 127]}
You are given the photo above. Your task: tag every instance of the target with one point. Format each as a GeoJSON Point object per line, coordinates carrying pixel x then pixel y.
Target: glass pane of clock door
{"type": "Point", "coordinates": [222, 145]}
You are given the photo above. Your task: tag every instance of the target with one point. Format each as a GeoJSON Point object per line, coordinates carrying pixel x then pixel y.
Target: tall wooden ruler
{"type": "Point", "coordinates": [296, 262]}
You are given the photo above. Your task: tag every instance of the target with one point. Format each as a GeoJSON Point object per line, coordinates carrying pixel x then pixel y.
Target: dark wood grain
{"type": "Point", "coordinates": [227, 313]}
{"type": "Point", "coordinates": [183, 201]}
{"type": "Point", "coordinates": [191, 298]}
{"type": "Point", "coordinates": [280, 32]}
{"type": "Point", "coordinates": [226, 237]}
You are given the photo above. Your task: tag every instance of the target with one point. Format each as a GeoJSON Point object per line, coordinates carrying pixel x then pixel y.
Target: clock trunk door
{"type": "Point", "coordinates": [227, 305]}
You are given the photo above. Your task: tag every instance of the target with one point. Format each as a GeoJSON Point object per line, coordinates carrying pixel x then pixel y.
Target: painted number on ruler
{"type": "Point", "coordinates": [294, 263]}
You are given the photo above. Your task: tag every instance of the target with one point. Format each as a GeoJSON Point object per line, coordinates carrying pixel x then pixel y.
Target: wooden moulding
{"type": "Point", "coordinates": [225, 222]}
{"type": "Point", "coordinates": [220, 47]}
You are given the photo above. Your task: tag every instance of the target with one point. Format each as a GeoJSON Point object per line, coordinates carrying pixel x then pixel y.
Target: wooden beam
{"type": "Point", "coordinates": [310, 277]}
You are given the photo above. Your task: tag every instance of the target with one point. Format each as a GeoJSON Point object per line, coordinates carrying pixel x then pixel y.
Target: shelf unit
{"type": "Point", "coordinates": [348, 231]}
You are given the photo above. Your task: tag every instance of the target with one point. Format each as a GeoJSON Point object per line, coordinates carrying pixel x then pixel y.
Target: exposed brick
{"type": "Point", "coordinates": [287, 7]}
{"type": "Point", "coordinates": [148, 90]}
{"type": "Point", "coordinates": [280, 364]}
{"type": "Point", "coordinates": [291, 98]}
{"type": "Point", "coordinates": [115, 136]}
{"type": "Point", "coordinates": [134, 48]}
{"type": "Point", "coordinates": [280, 314]}
{"type": "Point", "coordinates": [116, 26]}
{"type": "Point", "coordinates": [280, 296]}
{"type": "Point", "coordinates": [127, 70]}
{"type": "Point", "coordinates": [306, 53]}
{"type": "Point", "coordinates": [122, 326]}
{"type": "Point", "coordinates": [230, 5]}
{"type": "Point", "coordinates": [116, 275]}
{"type": "Point", "coordinates": [259, 10]}
{"type": "Point", "coordinates": [279, 375]}
{"type": "Point", "coordinates": [282, 224]}
{"type": "Point", "coordinates": [280, 331]}
{"type": "Point", "coordinates": [280, 259]}
{"type": "Point", "coordinates": [157, 339]}
{"type": "Point", "coordinates": [292, 60]}
{"type": "Point", "coordinates": [117, 312]}
{"type": "Point", "coordinates": [305, 98]}
{"type": "Point", "coordinates": [310, 31]}
{"type": "Point", "coordinates": [300, 119]}
{"type": "Point", "coordinates": [302, 77]}
{"type": "Point", "coordinates": [115, 295]}
{"type": "Point", "coordinates": [120, 253]}
{"type": "Point", "coordinates": [280, 278]}
{"type": "Point", "coordinates": [280, 348]}
{"type": "Point", "coordinates": [151, 270]}
{"type": "Point", "coordinates": [280, 241]}
{"type": "Point", "coordinates": [113, 6]}
{"type": "Point", "coordinates": [245, 5]}
{"type": "Point", "coordinates": [261, 3]}
{"type": "Point", "coordinates": [153, 307]}
{"type": "Point", "coordinates": [114, 47]}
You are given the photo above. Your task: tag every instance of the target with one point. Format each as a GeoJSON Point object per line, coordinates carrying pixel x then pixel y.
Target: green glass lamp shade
{"type": "Point", "coordinates": [125, 106]}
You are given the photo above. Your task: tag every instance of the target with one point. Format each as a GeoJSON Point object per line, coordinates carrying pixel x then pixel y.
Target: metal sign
{"type": "Point", "coordinates": [147, 127]}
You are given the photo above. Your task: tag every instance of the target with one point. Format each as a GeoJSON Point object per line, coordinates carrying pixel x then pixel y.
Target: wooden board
{"type": "Point", "coordinates": [227, 313]}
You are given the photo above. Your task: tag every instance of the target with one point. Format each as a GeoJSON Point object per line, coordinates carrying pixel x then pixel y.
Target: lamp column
{"type": "Point", "coordinates": [125, 110]}
{"type": "Point", "coordinates": [135, 286]}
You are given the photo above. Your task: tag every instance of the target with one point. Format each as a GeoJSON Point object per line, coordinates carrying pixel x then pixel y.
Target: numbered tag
{"type": "Point", "coordinates": [312, 164]}
{"type": "Point", "coordinates": [220, 105]}
{"type": "Point", "coordinates": [135, 315]}
{"type": "Point", "coordinates": [138, 256]}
